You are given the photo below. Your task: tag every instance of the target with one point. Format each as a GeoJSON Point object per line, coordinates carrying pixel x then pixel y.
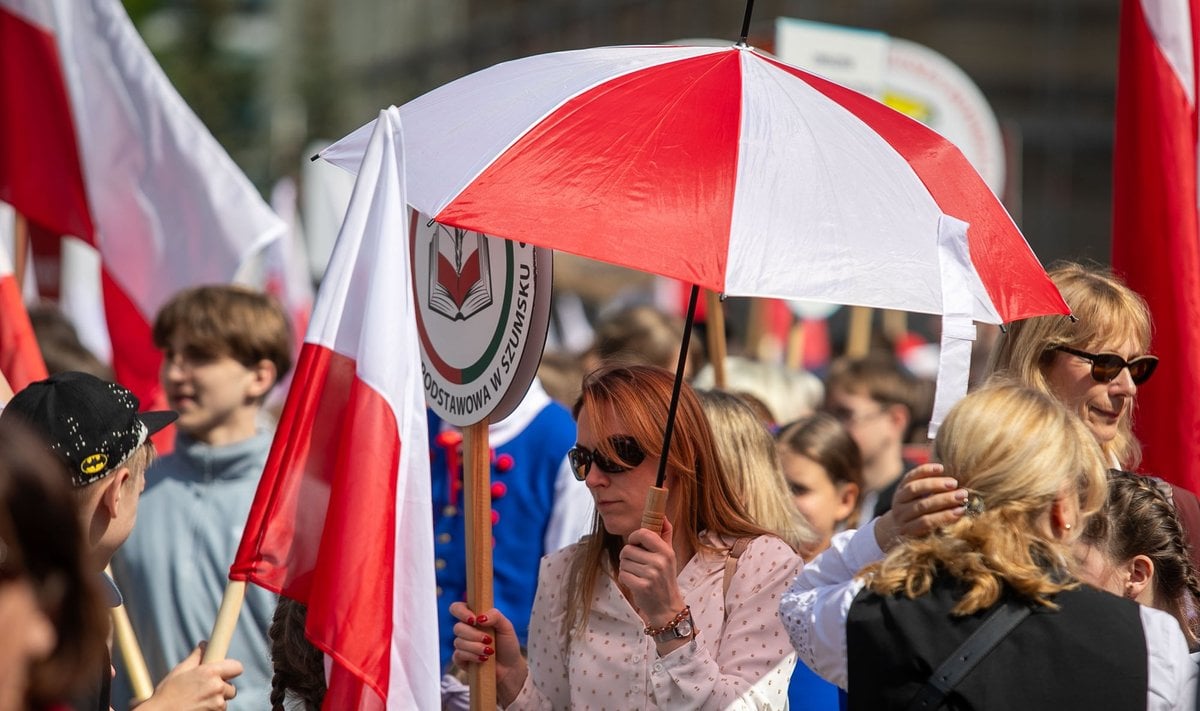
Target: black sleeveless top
{"type": "Point", "coordinates": [1089, 654]}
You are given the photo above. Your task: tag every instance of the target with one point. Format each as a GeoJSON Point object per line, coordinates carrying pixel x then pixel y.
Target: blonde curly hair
{"type": "Point", "coordinates": [1018, 470]}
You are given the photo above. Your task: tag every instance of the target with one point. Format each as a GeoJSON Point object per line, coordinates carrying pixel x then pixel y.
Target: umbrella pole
{"type": "Point", "coordinates": [746, 22]}
{"type": "Point", "coordinates": [656, 501]}
{"type": "Point", "coordinates": [477, 500]}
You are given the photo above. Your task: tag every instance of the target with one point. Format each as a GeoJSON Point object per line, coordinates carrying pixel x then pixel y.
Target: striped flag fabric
{"type": "Point", "coordinates": [20, 358]}
{"type": "Point", "coordinates": [1156, 240]}
{"type": "Point", "coordinates": [341, 520]}
{"type": "Point", "coordinates": [96, 143]}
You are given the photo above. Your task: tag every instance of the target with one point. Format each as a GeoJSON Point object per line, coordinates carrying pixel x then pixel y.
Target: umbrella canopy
{"type": "Point", "coordinates": [720, 167]}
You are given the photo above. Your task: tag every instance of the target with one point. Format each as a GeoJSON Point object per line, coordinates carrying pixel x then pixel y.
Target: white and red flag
{"type": "Point", "coordinates": [20, 358]}
{"type": "Point", "coordinates": [1156, 240]}
{"type": "Point", "coordinates": [342, 520]}
{"type": "Point", "coordinates": [96, 143]}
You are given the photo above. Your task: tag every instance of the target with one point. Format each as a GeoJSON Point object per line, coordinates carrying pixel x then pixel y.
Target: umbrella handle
{"type": "Point", "coordinates": [656, 509]}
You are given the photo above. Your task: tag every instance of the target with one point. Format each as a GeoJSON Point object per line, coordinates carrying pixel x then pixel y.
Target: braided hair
{"type": "Point", "coordinates": [299, 666]}
{"type": "Point", "coordinates": [1139, 518]}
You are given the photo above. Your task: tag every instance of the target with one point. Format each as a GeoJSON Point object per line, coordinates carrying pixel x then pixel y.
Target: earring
{"type": "Point", "coordinates": [1067, 526]}
{"type": "Point", "coordinates": [1129, 593]}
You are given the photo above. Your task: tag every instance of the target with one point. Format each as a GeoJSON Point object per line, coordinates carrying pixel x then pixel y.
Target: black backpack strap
{"type": "Point", "coordinates": [960, 662]}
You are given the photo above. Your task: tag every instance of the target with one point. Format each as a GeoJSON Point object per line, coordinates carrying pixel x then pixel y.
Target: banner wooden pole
{"type": "Point", "coordinates": [131, 653]}
{"type": "Point", "coordinates": [755, 327]}
{"type": "Point", "coordinates": [227, 617]}
{"type": "Point", "coordinates": [858, 343]}
{"type": "Point", "coordinates": [20, 248]}
{"type": "Point", "coordinates": [477, 501]}
{"type": "Point", "coordinates": [716, 336]}
{"type": "Point", "coordinates": [795, 348]}
{"type": "Point", "coordinates": [895, 324]}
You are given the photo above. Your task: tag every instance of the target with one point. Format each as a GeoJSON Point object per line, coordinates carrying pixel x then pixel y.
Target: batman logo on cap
{"type": "Point", "coordinates": [94, 463]}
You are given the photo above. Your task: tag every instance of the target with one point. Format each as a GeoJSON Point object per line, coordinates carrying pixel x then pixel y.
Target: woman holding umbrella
{"type": "Point", "coordinates": [628, 616]}
{"type": "Point", "coordinates": [685, 618]}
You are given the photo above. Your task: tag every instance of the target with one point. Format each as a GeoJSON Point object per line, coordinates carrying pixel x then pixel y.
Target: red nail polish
{"type": "Point", "coordinates": [489, 651]}
{"type": "Point", "coordinates": [487, 640]}
{"type": "Point", "coordinates": [481, 619]}
{"type": "Point", "coordinates": [482, 658]}
{"type": "Point", "coordinates": [470, 620]}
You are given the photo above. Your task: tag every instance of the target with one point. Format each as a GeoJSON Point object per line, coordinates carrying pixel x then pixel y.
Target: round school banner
{"type": "Point", "coordinates": [483, 308]}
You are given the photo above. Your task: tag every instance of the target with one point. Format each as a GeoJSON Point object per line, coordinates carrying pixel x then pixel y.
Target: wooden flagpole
{"type": "Point", "coordinates": [131, 653]}
{"type": "Point", "coordinates": [227, 617]}
{"type": "Point", "coordinates": [477, 502]}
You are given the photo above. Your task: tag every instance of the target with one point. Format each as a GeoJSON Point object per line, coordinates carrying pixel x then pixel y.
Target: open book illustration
{"type": "Point", "coordinates": [460, 275]}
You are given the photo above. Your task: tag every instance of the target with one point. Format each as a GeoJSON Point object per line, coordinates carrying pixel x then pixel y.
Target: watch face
{"type": "Point", "coordinates": [684, 628]}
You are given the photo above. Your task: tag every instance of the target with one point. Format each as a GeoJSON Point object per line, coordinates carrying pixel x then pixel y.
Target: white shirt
{"type": "Point", "coordinates": [815, 607]}
{"type": "Point", "coordinates": [739, 660]}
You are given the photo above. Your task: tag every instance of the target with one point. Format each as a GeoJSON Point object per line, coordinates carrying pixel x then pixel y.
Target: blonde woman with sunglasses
{"type": "Point", "coordinates": [1094, 364]}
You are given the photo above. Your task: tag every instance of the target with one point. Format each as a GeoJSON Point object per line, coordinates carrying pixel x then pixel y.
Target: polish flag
{"type": "Point", "coordinates": [96, 143]}
{"type": "Point", "coordinates": [341, 521]}
{"type": "Point", "coordinates": [20, 359]}
{"type": "Point", "coordinates": [1156, 240]}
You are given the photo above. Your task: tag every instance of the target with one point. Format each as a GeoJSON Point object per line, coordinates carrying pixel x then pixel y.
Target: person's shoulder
{"type": "Point", "coordinates": [1161, 627]}
{"type": "Point", "coordinates": [561, 559]}
{"type": "Point", "coordinates": [772, 547]}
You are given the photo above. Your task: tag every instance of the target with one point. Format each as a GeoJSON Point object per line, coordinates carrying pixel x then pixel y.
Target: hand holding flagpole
{"type": "Point", "coordinates": [227, 617]}
{"type": "Point", "coordinates": [131, 652]}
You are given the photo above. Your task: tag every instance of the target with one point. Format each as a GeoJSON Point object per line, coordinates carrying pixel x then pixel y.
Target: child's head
{"type": "Point", "coordinates": [55, 622]}
{"type": "Point", "coordinates": [224, 348]}
{"type": "Point", "coordinates": [95, 429]}
{"type": "Point", "coordinates": [872, 398]}
{"type": "Point", "coordinates": [823, 469]}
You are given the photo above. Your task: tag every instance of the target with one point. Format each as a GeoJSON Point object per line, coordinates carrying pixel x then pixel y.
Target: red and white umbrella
{"type": "Point", "coordinates": [717, 166]}
{"type": "Point", "coordinates": [724, 168]}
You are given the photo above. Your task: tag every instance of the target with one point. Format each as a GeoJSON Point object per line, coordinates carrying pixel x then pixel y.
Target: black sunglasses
{"type": "Point", "coordinates": [625, 447]}
{"type": "Point", "coordinates": [1107, 366]}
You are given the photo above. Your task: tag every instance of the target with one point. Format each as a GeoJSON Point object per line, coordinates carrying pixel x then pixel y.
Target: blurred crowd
{"type": "Point", "coordinates": [816, 549]}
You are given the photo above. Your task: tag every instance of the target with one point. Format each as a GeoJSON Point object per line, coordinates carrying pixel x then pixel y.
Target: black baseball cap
{"type": "Point", "coordinates": [92, 424]}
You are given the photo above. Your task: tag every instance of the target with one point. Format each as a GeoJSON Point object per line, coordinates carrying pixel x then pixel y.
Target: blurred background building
{"type": "Point", "coordinates": [271, 76]}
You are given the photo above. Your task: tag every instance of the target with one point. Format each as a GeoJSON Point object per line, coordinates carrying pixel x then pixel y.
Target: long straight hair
{"type": "Point", "coordinates": [751, 461]}
{"type": "Point", "coordinates": [701, 498]}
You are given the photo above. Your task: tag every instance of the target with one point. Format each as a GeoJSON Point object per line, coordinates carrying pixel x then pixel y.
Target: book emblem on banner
{"type": "Point", "coordinates": [460, 275]}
